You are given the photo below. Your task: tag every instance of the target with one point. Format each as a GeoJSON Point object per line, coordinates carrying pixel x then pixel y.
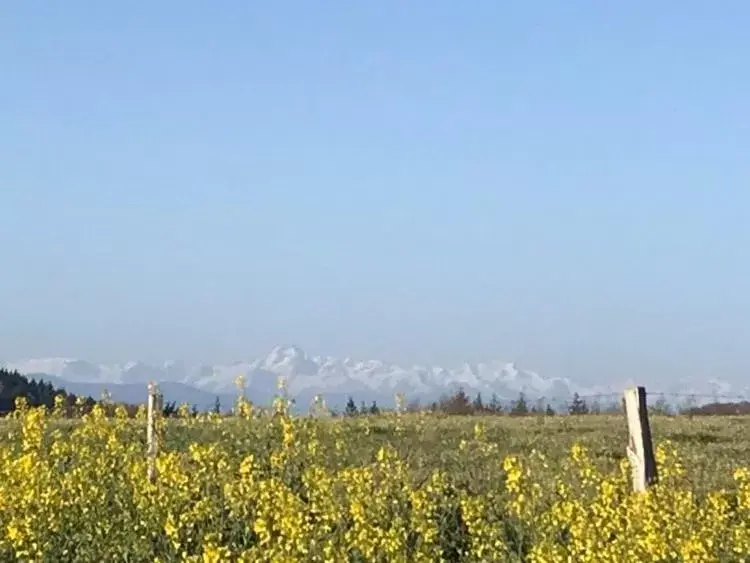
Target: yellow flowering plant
{"type": "Point", "coordinates": [409, 487]}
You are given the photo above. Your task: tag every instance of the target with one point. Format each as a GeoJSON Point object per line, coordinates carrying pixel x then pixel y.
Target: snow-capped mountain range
{"type": "Point", "coordinates": [307, 376]}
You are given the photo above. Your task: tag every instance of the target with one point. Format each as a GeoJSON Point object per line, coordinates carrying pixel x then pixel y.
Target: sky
{"type": "Point", "coordinates": [563, 184]}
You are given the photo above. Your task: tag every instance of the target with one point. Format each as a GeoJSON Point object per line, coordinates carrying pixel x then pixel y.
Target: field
{"type": "Point", "coordinates": [384, 488]}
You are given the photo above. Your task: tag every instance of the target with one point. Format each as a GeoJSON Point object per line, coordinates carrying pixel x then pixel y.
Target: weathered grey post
{"type": "Point", "coordinates": [640, 449]}
{"type": "Point", "coordinates": [152, 438]}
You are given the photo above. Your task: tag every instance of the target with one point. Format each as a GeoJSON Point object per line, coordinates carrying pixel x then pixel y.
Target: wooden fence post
{"type": "Point", "coordinates": [152, 437]}
{"type": "Point", "coordinates": [641, 449]}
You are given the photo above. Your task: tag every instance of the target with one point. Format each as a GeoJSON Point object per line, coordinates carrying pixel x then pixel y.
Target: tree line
{"type": "Point", "coordinates": [13, 385]}
{"type": "Point", "coordinates": [39, 393]}
{"type": "Point", "coordinates": [460, 403]}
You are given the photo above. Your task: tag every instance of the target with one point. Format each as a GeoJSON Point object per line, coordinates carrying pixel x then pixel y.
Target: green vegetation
{"type": "Point", "coordinates": [37, 393]}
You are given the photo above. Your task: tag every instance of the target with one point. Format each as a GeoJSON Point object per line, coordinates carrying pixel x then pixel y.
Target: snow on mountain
{"type": "Point", "coordinates": [307, 376]}
{"type": "Point", "coordinates": [41, 365]}
{"type": "Point", "coordinates": [335, 379]}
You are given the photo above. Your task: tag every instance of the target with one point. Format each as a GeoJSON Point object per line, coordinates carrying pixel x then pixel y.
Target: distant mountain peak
{"type": "Point", "coordinates": [309, 375]}
{"type": "Point", "coordinates": [363, 379]}
{"type": "Point", "coordinates": [510, 367]}
{"type": "Point", "coordinates": [334, 378]}
{"type": "Point", "coordinates": [289, 351]}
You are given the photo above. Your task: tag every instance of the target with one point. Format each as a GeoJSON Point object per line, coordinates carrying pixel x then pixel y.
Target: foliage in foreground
{"type": "Point", "coordinates": [282, 488]}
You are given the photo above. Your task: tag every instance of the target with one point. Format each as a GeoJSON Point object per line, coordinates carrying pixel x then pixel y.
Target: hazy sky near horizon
{"type": "Point", "coordinates": [564, 184]}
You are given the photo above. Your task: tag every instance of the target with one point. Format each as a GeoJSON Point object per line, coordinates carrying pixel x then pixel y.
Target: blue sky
{"type": "Point", "coordinates": [561, 184]}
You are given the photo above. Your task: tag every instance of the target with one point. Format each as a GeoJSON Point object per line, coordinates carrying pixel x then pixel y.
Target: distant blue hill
{"type": "Point", "coordinates": [136, 393]}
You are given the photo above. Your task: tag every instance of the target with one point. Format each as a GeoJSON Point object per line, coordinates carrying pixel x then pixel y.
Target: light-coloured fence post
{"type": "Point", "coordinates": [152, 437]}
{"type": "Point", "coordinates": [641, 449]}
